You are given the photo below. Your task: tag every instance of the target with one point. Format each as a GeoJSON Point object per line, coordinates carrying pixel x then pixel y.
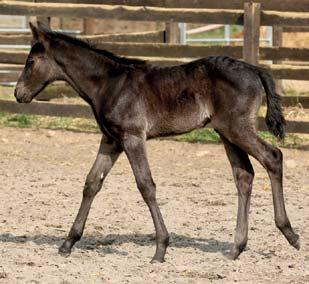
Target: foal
{"type": "Point", "coordinates": [133, 101]}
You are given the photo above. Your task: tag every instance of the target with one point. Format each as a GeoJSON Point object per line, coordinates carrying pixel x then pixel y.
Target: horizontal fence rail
{"type": "Point", "coordinates": [44, 108]}
{"type": "Point", "coordinates": [289, 72]}
{"type": "Point", "coordinates": [278, 5]}
{"type": "Point", "coordinates": [152, 36]}
{"type": "Point", "coordinates": [10, 67]}
{"type": "Point", "coordinates": [137, 13]}
{"type": "Point", "coordinates": [131, 13]}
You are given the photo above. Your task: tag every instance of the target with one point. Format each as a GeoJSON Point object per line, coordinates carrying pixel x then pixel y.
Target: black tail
{"type": "Point", "coordinates": [274, 117]}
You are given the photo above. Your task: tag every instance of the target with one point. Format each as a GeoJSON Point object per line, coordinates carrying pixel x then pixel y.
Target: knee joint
{"type": "Point", "coordinates": [275, 162]}
{"type": "Point", "coordinates": [92, 186]}
{"type": "Point", "coordinates": [244, 180]}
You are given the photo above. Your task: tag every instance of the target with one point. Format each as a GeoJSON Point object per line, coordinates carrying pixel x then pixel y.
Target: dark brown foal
{"type": "Point", "coordinates": [133, 101]}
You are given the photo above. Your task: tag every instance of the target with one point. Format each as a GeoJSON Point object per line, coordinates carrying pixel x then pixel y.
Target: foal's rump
{"type": "Point", "coordinates": [238, 93]}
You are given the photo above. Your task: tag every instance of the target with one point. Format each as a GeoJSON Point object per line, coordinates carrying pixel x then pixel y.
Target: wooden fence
{"type": "Point", "coordinates": [283, 14]}
{"type": "Point", "coordinates": [252, 16]}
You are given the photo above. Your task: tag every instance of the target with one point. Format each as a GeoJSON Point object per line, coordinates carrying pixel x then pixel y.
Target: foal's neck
{"type": "Point", "coordinates": [86, 71]}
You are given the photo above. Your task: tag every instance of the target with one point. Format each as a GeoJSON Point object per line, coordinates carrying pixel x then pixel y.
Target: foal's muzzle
{"type": "Point", "coordinates": [21, 96]}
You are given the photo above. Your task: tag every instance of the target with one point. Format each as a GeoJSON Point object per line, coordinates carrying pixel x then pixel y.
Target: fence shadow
{"type": "Point", "coordinates": [108, 243]}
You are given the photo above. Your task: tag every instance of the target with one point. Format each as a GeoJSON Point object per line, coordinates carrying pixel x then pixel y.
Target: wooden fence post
{"type": "Point", "coordinates": [172, 33]}
{"type": "Point", "coordinates": [252, 18]}
{"type": "Point", "coordinates": [89, 26]}
{"type": "Point", "coordinates": [277, 42]}
{"type": "Point", "coordinates": [44, 20]}
{"type": "Point", "coordinates": [61, 23]}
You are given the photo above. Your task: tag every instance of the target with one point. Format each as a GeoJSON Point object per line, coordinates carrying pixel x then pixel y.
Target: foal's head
{"type": "Point", "coordinates": [40, 68]}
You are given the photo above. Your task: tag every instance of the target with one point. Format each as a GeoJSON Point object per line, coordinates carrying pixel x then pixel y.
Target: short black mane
{"type": "Point", "coordinates": [89, 45]}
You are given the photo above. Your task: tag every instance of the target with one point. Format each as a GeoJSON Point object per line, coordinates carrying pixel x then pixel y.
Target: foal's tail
{"type": "Point", "coordinates": [274, 116]}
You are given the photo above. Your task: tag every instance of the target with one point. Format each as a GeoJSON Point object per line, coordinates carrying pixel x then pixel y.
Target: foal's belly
{"type": "Point", "coordinates": [180, 118]}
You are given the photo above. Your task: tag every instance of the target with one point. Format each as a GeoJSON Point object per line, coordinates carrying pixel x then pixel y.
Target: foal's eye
{"type": "Point", "coordinates": [30, 60]}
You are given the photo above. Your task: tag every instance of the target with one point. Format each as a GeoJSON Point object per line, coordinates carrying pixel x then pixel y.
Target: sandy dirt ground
{"type": "Point", "coordinates": [42, 174]}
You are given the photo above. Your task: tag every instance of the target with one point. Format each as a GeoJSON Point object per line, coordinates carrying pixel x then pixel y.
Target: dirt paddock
{"type": "Point", "coordinates": [42, 174]}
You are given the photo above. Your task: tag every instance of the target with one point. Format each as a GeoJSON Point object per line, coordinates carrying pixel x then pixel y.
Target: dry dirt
{"type": "Point", "coordinates": [42, 175]}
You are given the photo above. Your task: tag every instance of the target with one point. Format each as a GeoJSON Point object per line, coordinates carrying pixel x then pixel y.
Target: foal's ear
{"type": "Point", "coordinates": [34, 31]}
{"type": "Point", "coordinates": [39, 33]}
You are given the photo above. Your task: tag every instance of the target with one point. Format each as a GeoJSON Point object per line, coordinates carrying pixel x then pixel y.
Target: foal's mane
{"type": "Point", "coordinates": [87, 44]}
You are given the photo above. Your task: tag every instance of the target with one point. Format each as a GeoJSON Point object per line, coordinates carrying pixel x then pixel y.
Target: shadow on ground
{"type": "Point", "coordinates": [105, 244]}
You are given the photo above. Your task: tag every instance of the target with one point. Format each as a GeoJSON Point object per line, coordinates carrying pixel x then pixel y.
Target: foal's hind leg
{"type": "Point", "coordinates": [107, 155]}
{"type": "Point", "coordinates": [134, 148]}
{"type": "Point", "coordinates": [271, 159]}
{"type": "Point", "coordinates": [243, 175]}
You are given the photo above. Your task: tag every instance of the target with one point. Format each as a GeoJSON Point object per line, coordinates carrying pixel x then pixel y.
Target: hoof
{"type": "Point", "coordinates": [64, 252]}
{"type": "Point", "coordinates": [297, 244]}
{"type": "Point", "coordinates": [157, 260]}
{"type": "Point", "coordinates": [234, 254]}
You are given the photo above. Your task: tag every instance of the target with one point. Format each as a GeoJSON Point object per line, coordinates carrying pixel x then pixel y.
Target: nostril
{"type": "Point", "coordinates": [16, 93]}
{"type": "Point", "coordinates": [18, 98]}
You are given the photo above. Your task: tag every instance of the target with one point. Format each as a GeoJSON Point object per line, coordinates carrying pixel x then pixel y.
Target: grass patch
{"type": "Point", "coordinates": [16, 120]}
{"type": "Point", "coordinates": [206, 135]}
{"type": "Point", "coordinates": [47, 122]}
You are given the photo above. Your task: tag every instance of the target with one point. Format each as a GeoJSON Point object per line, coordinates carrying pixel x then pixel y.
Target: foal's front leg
{"type": "Point", "coordinates": [107, 155]}
{"type": "Point", "coordinates": [134, 148]}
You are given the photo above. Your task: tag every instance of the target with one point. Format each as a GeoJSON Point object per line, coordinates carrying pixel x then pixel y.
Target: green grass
{"type": "Point", "coordinates": [206, 135]}
{"type": "Point", "coordinates": [19, 120]}
{"type": "Point", "coordinates": [47, 122]}
{"type": "Point", "coordinates": [199, 136]}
